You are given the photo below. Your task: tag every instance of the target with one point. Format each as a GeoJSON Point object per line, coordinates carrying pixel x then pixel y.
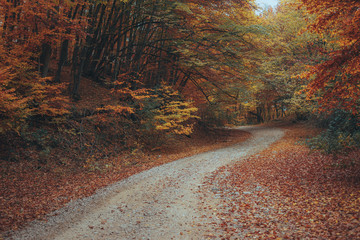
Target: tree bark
{"type": "Point", "coordinates": [45, 59]}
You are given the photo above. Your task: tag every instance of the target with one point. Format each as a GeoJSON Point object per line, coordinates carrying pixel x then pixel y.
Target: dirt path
{"type": "Point", "coordinates": [161, 203]}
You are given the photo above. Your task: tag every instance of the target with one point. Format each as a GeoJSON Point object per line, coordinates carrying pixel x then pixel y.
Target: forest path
{"type": "Point", "coordinates": [161, 203]}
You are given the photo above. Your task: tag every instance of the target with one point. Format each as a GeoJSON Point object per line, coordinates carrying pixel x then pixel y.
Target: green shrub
{"type": "Point", "coordinates": [342, 133]}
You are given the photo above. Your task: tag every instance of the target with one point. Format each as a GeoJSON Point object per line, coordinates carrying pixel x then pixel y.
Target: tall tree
{"type": "Point", "coordinates": [337, 79]}
{"type": "Point", "coordinates": [28, 32]}
{"type": "Point", "coordinates": [288, 49]}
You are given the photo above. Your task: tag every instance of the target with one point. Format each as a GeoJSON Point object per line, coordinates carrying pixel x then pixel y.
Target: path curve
{"type": "Point", "coordinates": [161, 203]}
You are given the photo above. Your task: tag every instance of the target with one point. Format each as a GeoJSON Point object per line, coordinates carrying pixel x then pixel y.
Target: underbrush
{"type": "Point", "coordinates": [341, 135]}
{"type": "Point", "coordinates": [105, 136]}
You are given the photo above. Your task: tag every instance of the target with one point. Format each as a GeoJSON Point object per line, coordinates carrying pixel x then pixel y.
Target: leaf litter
{"type": "Point", "coordinates": [288, 192]}
{"type": "Point", "coordinates": [28, 192]}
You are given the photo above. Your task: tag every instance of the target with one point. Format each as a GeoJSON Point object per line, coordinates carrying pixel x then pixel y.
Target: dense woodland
{"type": "Point", "coordinates": [162, 67]}
{"type": "Point", "coordinates": [85, 81]}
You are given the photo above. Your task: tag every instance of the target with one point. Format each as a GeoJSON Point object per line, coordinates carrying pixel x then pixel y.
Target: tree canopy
{"type": "Point", "coordinates": [337, 78]}
{"type": "Point", "coordinates": [220, 57]}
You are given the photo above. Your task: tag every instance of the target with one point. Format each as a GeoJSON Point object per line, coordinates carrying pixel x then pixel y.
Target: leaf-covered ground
{"type": "Point", "coordinates": [28, 192]}
{"type": "Point", "coordinates": [288, 192]}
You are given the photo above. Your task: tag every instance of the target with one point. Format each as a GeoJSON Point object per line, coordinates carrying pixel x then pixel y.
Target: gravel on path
{"type": "Point", "coordinates": [161, 203]}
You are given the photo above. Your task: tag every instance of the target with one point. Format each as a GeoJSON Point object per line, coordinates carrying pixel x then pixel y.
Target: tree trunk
{"type": "Point", "coordinates": [62, 60]}
{"type": "Point", "coordinates": [45, 59]}
{"type": "Point", "coordinates": [65, 46]}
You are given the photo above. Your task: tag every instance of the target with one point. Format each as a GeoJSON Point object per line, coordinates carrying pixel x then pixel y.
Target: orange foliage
{"type": "Point", "coordinates": [25, 93]}
{"type": "Point", "coordinates": [338, 78]}
{"type": "Point", "coordinates": [31, 23]}
{"type": "Point", "coordinates": [25, 27]}
{"type": "Point", "coordinates": [10, 104]}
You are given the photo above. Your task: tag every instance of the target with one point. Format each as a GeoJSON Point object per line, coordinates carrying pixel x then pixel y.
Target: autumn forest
{"type": "Point", "coordinates": [86, 81]}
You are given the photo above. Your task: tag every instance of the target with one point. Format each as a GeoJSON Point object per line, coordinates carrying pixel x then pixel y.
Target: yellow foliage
{"type": "Point", "coordinates": [174, 114]}
{"type": "Point", "coordinates": [118, 109]}
{"type": "Point", "coordinates": [22, 97]}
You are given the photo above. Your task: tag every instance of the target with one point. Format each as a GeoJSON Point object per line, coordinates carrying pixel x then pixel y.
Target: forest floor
{"type": "Point", "coordinates": [288, 192]}
{"type": "Point", "coordinates": [28, 192]}
{"type": "Point", "coordinates": [161, 203]}
{"type": "Point", "coordinates": [277, 191]}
